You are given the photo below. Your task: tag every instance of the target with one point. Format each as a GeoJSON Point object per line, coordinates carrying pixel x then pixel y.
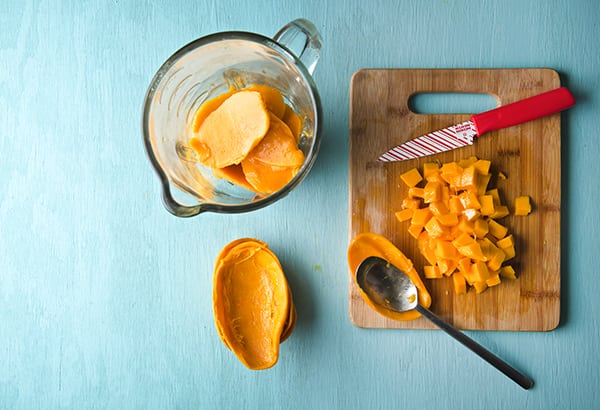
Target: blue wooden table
{"type": "Point", "coordinates": [105, 298]}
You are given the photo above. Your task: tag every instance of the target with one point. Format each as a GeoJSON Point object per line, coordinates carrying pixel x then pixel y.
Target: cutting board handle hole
{"type": "Point", "coordinates": [451, 103]}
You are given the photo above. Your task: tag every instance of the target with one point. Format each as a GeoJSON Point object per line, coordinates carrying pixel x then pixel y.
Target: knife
{"type": "Point", "coordinates": [464, 133]}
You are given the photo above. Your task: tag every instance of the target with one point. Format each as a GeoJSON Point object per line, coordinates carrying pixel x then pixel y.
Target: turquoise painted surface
{"type": "Point", "coordinates": [105, 298]}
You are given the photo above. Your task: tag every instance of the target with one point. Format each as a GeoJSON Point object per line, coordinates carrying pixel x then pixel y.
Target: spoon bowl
{"type": "Point", "coordinates": [387, 286]}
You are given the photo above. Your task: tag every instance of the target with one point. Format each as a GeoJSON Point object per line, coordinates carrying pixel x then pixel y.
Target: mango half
{"type": "Point", "coordinates": [252, 302]}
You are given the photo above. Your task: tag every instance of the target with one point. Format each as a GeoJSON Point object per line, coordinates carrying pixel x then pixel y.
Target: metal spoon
{"type": "Point", "coordinates": [389, 287]}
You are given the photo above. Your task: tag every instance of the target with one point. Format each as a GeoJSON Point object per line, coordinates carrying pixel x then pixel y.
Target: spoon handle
{"type": "Point", "coordinates": [518, 377]}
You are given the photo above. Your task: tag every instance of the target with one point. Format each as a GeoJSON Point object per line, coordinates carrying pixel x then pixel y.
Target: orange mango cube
{"type": "Point", "coordinates": [404, 214]}
{"type": "Point", "coordinates": [522, 206]}
{"type": "Point", "coordinates": [432, 272]}
{"type": "Point", "coordinates": [497, 230]}
{"type": "Point", "coordinates": [421, 216]}
{"type": "Point", "coordinates": [411, 177]}
{"type": "Point", "coordinates": [460, 284]}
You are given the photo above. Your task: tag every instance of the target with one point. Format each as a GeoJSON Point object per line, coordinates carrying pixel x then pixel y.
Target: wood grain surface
{"type": "Point", "coordinates": [529, 154]}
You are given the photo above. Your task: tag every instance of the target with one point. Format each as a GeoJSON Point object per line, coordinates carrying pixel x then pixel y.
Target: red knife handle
{"type": "Point", "coordinates": [523, 111]}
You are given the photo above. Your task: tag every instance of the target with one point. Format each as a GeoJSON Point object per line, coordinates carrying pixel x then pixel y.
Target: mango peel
{"type": "Point", "coordinates": [371, 244]}
{"type": "Point", "coordinates": [252, 303]}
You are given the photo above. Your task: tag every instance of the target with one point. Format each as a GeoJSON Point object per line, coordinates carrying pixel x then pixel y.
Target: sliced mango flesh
{"type": "Point", "coordinates": [293, 121]}
{"type": "Point", "coordinates": [275, 160]}
{"type": "Point", "coordinates": [207, 108]}
{"type": "Point", "coordinates": [272, 98]}
{"type": "Point", "coordinates": [231, 131]}
{"type": "Point", "coordinates": [249, 137]}
{"type": "Point", "coordinates": [235, 175]}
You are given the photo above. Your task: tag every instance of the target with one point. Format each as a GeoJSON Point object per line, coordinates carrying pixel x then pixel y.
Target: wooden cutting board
{"type": "Point", "coordinates": [528, 154]}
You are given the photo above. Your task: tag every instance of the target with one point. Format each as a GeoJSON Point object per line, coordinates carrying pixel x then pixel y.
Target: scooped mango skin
{"type": "Point", "coordinates": [371, 244]}
{"type": "Point", "coordinates": [252, 302]}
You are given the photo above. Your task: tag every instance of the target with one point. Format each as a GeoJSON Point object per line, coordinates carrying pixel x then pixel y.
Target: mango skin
{"type": "Point", "coordinates": [252, 302]}
{"type": "Point", "coordinates": [371, 244]}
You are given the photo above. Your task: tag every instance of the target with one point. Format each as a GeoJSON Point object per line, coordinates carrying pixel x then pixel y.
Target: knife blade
{"type": "Point", "coordinates": [464, 133]}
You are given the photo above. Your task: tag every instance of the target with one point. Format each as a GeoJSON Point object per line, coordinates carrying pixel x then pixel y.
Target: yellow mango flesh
{"type": "Point", "coordinates": [207, 108]}
{"type": "Point", "coordinates": [293, 121]}
{"type": "Point", "coordinates": [251, 302]}
{"type": "Point", "coordinates": [272, 98]}
{"type": "Point", "coordinates": [225, 135]}
{"type": "Point", "coordinates": [275, 160]}
{"type": "Point", "coordinates": [231, 131]}
{"type": "Point", "coordinates": [453, 216]}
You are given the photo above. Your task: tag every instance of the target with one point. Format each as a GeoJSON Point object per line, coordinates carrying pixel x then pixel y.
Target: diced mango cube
{"type": "Point", "coordinates": [404, 214]}
{"type": "Point", "coordinates": [468, 179]}
{"type": "Point", "coordinates": [497, 230]}
{"type": "Point", "coordinates": [421, 216]}
{"type": "Point", "coordinates": [451, 173]}
{"type": "Point", "coordinates": [448, 219]}
{"type": "Point", "coordinates": [522, 206]}
{"type": "Point", "coordinates": [432, 192]}
{"type": "Point", "coordinates": [482, 183]}
{"type": "Point", "coordinates": [480, 271]}
{"type": "Point", "coordinates": [464, 265]}
{"type": "Point", "coordinates": [471, 214]}
{"type": "Point", "coordinates": [469, 200]}
{"type": "Point", "coordinates": [431, 171]}
{"type": "Point", "coordinates": [451, 168]}
{"type": "Point", "coordinates": [445, 192]}
{"type": "Point", "coordinates": [487, 205]}
{"type": "Point", "coordinates": [426, 248]}
{"type": "Point", "coordinates": [438, 208]}
{"type": "Point", "coordinates": [463, 239]}
{"type": "Point", "coordinates": [480, 286]}
{"type": "Point", "coordinates": [486, 246]}
{"type": "Point", "coordinates": [496, 259]}
{"type": "Point", "coordinates": [415, 230]}
{"type": "Point", "coordinates": [415, 192]}
{"type": "Point", "coordinates": [493, 280]}
{"type": "Point", "coordinates": [472, 251]}
{"type": "Point", "coordinates": [508, 272]}
{"type": "Point", "coordinates": [446, 266]}
{"type": "Point", "coordinates": [506, 242]}
{"type": "Point", "coordinates": [467, 162]}
{"type": "Point", "coordinates": [455, 205]}
{"type": "Point", "coordinates": [495, 194]}
{"type": "Point", "coordinates": [501, 212]}
{"type": "Point", "coordinates": [413, 203]}
{"type": "Point", "coordinates": [509, 252]}
{"type": "Point", "coordinates": [464, 225]}
{"type": "Point", "coordinates": [483, 166]}
{"type": "Point", "coordinates": [460, 284]}
{"type": "Point", "coordinates": [445, 249]}
{"type": "Point", "coordinates": [480, 228]}
{"type": "Point", "coordinates": [434, 228]}
{"type": "Point", "coordinates": [429, 254]}
{"type": "Point", "coordinates": [411, 177]}
{"type": "Point", "coordinates": [432, 272]}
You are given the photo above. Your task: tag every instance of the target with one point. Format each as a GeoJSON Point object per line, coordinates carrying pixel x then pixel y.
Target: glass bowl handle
{"type": "Point", "coordinates": [302, 38]}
